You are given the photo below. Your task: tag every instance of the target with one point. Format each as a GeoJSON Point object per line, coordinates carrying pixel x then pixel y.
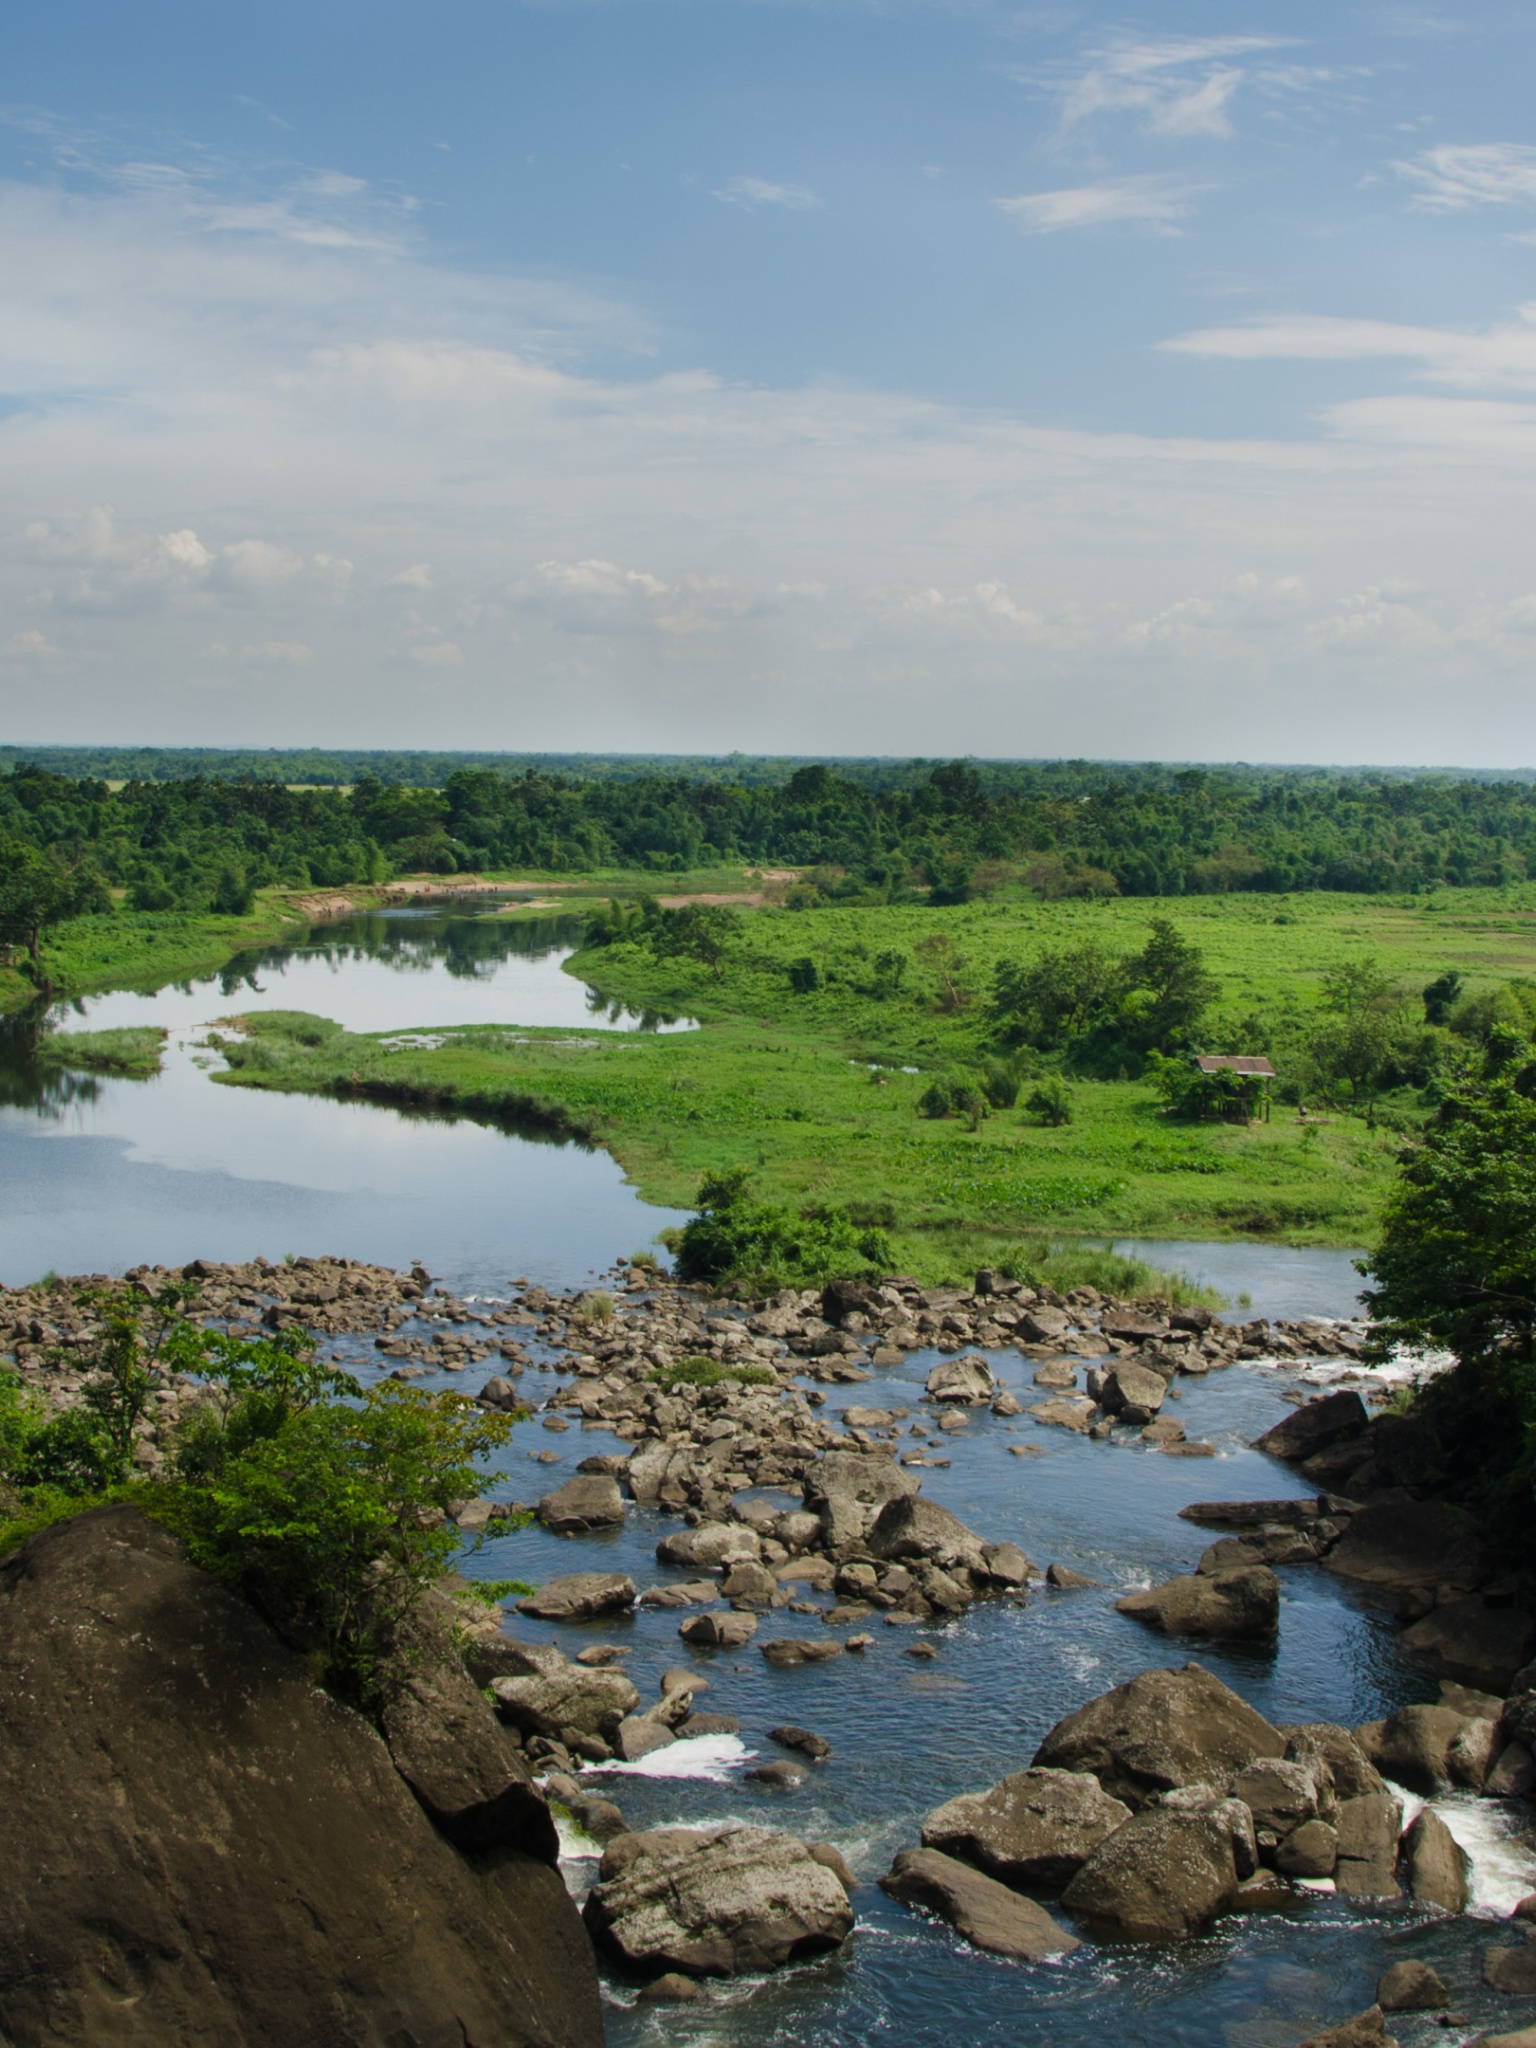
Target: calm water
{"type": "Point", "coordinates": [97, 1175]}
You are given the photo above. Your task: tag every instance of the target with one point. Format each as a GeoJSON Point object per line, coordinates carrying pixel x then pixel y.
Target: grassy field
{"type": "Point", "coordinates": [810, 1092]}
{"type": "Point", "coordinates": [145, 949]}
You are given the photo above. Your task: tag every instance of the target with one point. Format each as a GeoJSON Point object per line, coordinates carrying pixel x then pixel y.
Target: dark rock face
{"type": "Point", "coordinates": [1438, 1868]}
{"type": "Point", "coordinates": [1413, 1746]}
{"type": "Point", "coordinates": [1409, 1543]}
{"type": "Point", "coordinates": [985, 1913]}
{"type": "Point", "coordinates": [1035, 1828]}
{"type": "Point", "coordinates": [1161, 1730]}
{"type": "Point", "coordinates": [715, 1903]}
{"type": "Point", "coordinates": [216, 1850]}
{"type": "Point", "coordinates": [1411, 1986]}
{"type": "Point", "coordinates": [1468, 1640]}
{"type": "Point", "coordinates": [1320, 1422]}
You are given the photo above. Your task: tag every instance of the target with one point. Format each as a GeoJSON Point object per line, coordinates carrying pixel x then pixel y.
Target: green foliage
{"type": "Point", "coordinates": [737, 1241]}
{"type": "Point", "coordinates": [1051, 1102]}
{"type": "Point", "coordinates": [505, 1589]}
{"type": "Point", "coordinates": [132, 1051]}
{"type": "Point", "coordinates": [1105, 1013]}
{"type": "Point", "coordinates": [1040, 1262]}
{"type": "Point", "coordinates": [708, 1372]}
{"type": "Point", "coordinates": [804, 975]}
{"type": "Point", "coordinates": [1196, 1097]}
{"type": "Point", "coordinates": [41, 887]}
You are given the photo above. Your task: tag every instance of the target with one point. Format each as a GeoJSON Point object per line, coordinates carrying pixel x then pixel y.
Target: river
{"type": "Point", "coordinates": [98, 1175]}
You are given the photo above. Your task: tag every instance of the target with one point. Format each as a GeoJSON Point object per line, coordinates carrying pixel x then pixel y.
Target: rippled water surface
{"type": "Point", "coordinates": [97, 1175]}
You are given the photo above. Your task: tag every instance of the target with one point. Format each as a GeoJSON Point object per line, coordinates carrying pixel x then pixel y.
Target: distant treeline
{"type": "Point", "coordinates": [1065, 829]}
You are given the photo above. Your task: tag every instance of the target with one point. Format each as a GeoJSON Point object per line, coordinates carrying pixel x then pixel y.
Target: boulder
{"type": "Point", "coordinates": [1064, 1580]}
{"type": "Point", "coordinates": [1366, 2030]}
{"type": "Point", "coordinates": [832, 1858]}
{"type": "Point", "coordinates": [590, 1702]}
{"type": "Point", "coordinates": [1411, 1986]}
{"type": "Point", "coordinates": [718, 1902]}
{"type": "Point", "coordinates": [1335, 1759]}
{"type": "Point", "coordinates": [1438, 1867]}
{"type": "Point", "coordinates": [1132, 1393]}
{"type": "Point", "coordinates": [581, 1596]}
{"type": "Point", "coordinates": [1005, 1564]}
{"type": "Point", "coordinates": [718, 1631]}
{"type": "Point", "coordinates": [1413, 1746]}
{"type": "Point", "coordinates": [1513, 1775]}
{"type": "Point", "coordinates": [1311, 1850]}
{"type": "Point", "coordinates": [749, 1581]}
{"type": "Point", "coordinates": [589, 1501]}
{"type": "Point", "coordinates": [1511, 1969]}
{"type": "Point", "coordinates": [785, 1652]}
{"type": "Point", "coordinates": [1368, 1829]}
{"type": "Point", "coordinates": [910, 1527]}
{"type": "Point", "coordinates": [710, 1545]}
{"type": "Point", "coordinates": [1468, 1640]}
{"type": "Point", "coordinates": [1165, 1873]}
{"type": "Point", "coordinates": [983, 1912]}
{"type": "Point", "coordinates": [1076, 1415]}
{"type": "Point", "coordinates": [816, 1747]}
{"type": "Point", "coordinates": [217, 1850]}
{"type": "Point", "coordinates": [841, 1298]}
{"type": "Point", "coordinates": [1244, 1604]}
{"type": "Point", "coordinates": [782, 1776]}
{"type": "Point", "coordinates": [869, 1476]}
{"type": "Point", "coordinates": [1044, 1325]}
{"type": "Point", "coordinates": [1409, 1543]}
{"type": "Point", "coordinates": [1161, 1729]}
{"type": "Point", "coordinates": [968, 1378]}
{"type": "Point", "coordinates": [1038, 1827]}
{"type": "Point", "coordinates": [1307, 1429]}
{"type": "Point", "coordinates": [1280, 1794]}
{"type": "Point", "coordinates": [1472, 1755]}
{"type": "Point", "coordinates": [637, 1735]}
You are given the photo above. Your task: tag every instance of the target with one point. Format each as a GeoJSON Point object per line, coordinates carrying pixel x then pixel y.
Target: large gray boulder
{"type": "Point", "coordinates": [711, 1545]}
{"type": "Point", "coordinates": [1160, 1730]}
{"type": "Point", "coordinates": [1473, 1642]}
{"type": "Point", "coordinates": [911, 1528]}
{"type": "Point", "coordinates": [1367, 1829]}
{"type": "Point", "coordinates": [1244, 1605]}
{"type": "Point", "coordinates": [216, 1850]}
{"type": "Point", "coordinates": [592, 1702]}
{"type": "Point", "coordinates": [857, 1475]}
{"type": "Point", "coordinates": [1335, 1759]}
{"type": "Point", "coordinates": [1164, 1874]}
{"type": "Point", "coordinates": [983, 1912]}
{"type": "Point", "coordinates": [715, 1903]}
{"type": "Point", "coordinates": [580, 1596]}
{"type": "Point", "coordinates": [968, 1378]}
{"type": "Point", "coordinates": [1439, 1868]}
{"type": "Point", "coordinates": [590, 1501]}
{"type": "Point", "coordinates": [1132, 1393]}
{"type": "Point", "coordinates": [1037, 1827]}
{"type": "Point", "coordinates": [1413, 1746]}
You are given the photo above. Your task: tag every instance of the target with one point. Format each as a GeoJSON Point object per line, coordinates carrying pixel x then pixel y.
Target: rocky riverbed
{"type": "Point", "coordinates": [794, 1531]}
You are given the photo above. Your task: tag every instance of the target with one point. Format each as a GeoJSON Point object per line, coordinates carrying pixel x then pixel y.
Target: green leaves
{"type": "Point", "coordinates": [768, 1244]}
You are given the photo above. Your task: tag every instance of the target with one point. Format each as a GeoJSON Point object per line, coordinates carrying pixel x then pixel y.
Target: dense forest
{"type": "Point", "coordinates": [1064, 829]}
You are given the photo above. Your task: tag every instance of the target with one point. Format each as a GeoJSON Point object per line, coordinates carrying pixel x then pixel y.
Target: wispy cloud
{"type": "Point", "coordinates": [1501, 356]}
{"type": "Point", "coordinates": [767, 192]}
{"type": "Point", "coordinates": [1458, 175]}
{"type": "Point", "coordinates": [1153, 201]}
{"type": "Point", "coordinates": [1180, 86]}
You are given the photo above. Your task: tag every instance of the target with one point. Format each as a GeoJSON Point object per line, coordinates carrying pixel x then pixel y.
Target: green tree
{"type": "Point", "coordinates": [39, 890]}
{"type": "Point", "coordinates": [696, 931]}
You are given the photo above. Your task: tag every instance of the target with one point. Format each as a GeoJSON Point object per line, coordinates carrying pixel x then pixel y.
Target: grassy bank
{"type": "Point", "coordinates": [145, 949]}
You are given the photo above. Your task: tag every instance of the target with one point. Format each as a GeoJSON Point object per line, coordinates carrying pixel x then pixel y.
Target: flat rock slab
{"type": "Point", "coordinates": [784, 1652]}
{"type": "Point", "coordinates": [983, 1912]}
{"type": "Point", "coordinates": [1409, 1543]}
{"type": "Point", "coordinates": [588, 1701]}
{"type": "Point", "coordinates": [581, 1596]}
{"type": "Point", "coordinates": [715, 1902]}
{"type": "Point", "coordinates": [1479, 1645]}
{"type": "Point", "coordinates": [1078, 1415]}
{"type": "Point", "coordinates": [1310, 1428]}
{"type": "Point", "coordinates": [1038, 1827]}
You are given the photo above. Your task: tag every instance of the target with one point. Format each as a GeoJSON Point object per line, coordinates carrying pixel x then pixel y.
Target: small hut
{"type": "Point", "coordinates": [1248, 1066]}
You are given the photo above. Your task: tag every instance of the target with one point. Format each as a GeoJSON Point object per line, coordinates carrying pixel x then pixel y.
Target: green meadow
{"type": "Point", "coordinates": [818, 1093]}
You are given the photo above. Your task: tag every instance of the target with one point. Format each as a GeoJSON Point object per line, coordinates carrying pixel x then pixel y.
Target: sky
{"type": "Point", "coordinates": [797, 376]}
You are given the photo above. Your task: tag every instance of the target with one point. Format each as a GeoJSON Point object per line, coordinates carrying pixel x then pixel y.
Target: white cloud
{"type": "Point", "coordinates": [279, 653]}
{"type": "Point", "coordinates": [1156, 202]}
{"type": "Point", "coordinates": [438, 654]}
{"type": "Point", "coordinates": [1459, 175]}
{"type": "Point", "coordinates": [29, 645]}
{"type": "Point", "coordinates": [258, 564]}
{"type": "Point", "coordinates": [184, 550]}
{"type": "Point", "coordinates": [600, 579]}
{"type": "Point", "coordinates": [1180, 85]}
{"type": "Point", "coordinates": [417, 577]}
{"type": "Point", "coordinates": [1501, 355]}
{"type": "Point", "coordinates": [767, 192]}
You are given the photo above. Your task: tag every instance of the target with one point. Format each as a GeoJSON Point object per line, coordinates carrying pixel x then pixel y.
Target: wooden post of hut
{"type": "Point", "coordinates": [1239, 1063]}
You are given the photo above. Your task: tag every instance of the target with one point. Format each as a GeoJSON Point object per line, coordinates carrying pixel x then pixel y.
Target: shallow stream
{"type": "Point", "coordinates": [100, 1174]}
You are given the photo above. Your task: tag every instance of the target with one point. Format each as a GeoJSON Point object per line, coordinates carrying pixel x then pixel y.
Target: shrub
{"type": "Point", "coordinates": [1050, 1102]}
{"type": "Point", "coordinates": [737, 1240]}
{"type": "Point", "coordinates": [708, 1372]}
{"type": "Point", "coordinates": [804, 976]}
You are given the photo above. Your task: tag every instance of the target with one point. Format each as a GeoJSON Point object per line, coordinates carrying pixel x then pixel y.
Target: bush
{"type": "Point", "coordinates": [804, 976]}
{"type": "Point", "coordinates": [954, 1095]}
{"type": "Point", "coordinates": [707, 1372]}
{"type": "Point", "coordinates": [745, 1243]}
{"type": "Point", "coordinates": [1050, 1102]}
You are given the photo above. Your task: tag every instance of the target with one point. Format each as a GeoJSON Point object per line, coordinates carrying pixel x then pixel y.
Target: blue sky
{"type": "Point", "coordinates": [782, 374]}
